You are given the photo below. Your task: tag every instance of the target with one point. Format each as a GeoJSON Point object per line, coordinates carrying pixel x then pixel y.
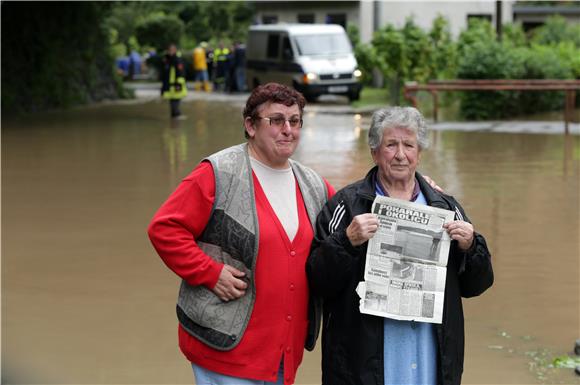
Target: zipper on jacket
{"type": "Point", "coordinates": [328, 320]}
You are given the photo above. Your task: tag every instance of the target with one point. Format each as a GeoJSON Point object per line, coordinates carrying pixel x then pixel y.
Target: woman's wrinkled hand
{"type": "Point", "coordinates": [432, 183]}
{"type": "Point", "coordinates": [230, 285]}
{"type": "Point", "coordinates": [362, 228]}
{"type": "Point", "coordinates": [462, 232]}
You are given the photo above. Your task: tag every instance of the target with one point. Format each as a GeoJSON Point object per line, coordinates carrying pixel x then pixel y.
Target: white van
{"type": "Point", "coordinates": [315, 59]}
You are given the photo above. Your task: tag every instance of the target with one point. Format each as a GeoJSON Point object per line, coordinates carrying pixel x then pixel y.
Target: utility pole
{"type": "Point", "coordinates": [378, 79]}
{"type": "Point", "coordinates": [376, 15]}
{"type": "Point", "coordinates": [498, 20]}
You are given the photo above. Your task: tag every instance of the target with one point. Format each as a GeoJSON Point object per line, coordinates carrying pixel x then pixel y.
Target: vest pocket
{"type": "Point", "coordinates": [205, 309]}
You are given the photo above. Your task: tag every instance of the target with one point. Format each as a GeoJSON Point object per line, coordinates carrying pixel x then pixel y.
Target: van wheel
{"type": "Point", "coordinates": [352, 96]}
{"type": "Point", "coordinates": [310, 98]}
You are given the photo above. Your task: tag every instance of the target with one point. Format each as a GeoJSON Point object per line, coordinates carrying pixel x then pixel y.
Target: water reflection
{"type": "Point", "coordinates": [176, 148]}
{"type": "Point", "coordinates": [82, 286]}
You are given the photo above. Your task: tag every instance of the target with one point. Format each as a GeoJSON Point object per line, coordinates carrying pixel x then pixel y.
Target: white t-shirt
{"type": "Point", "coordinates": [280, 189]}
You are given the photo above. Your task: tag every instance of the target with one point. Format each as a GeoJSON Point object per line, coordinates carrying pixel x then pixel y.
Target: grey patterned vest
{"type": "Point", "coordinates": [231, 237]}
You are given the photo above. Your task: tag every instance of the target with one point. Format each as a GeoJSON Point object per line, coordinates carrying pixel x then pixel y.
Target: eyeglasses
{"type": "Point", "coordinates": [279, 121]}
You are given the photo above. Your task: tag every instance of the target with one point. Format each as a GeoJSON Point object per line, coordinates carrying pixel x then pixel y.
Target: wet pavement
{"type": "Point", "coordinates": [86, 300]}
{"type": "Point", "coordinates": [331, 104]}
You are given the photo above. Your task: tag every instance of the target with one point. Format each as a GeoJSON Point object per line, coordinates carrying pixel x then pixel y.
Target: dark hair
{"type": "Point", "coordinates": [273, 93]}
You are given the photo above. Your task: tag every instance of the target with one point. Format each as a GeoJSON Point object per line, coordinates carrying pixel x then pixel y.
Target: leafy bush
{"type": "Point", "coordinates": [365, 57]}
{"type": "Point", "coordinates": [514, 35]}
{"type": "Point", "coordinates": [482, 57]}
{"type": "Point", "coordinates": [489, 60]}
{"type": "Point", "coordinates": [569, 54]}
{"type": "Point", "coordinates": [555, 31]}
{"type": "Point", "coordinates": [478, 31]}
{"type": "Point", "coordinates": [543, 62]}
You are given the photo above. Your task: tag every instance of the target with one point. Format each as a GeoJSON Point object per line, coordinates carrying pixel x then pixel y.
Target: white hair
{"type": "Point", "coordinates": [391, 117]}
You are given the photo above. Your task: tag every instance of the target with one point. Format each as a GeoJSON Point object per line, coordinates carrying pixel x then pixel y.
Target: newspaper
{"type": "Point", "coordinates": [406, 262]}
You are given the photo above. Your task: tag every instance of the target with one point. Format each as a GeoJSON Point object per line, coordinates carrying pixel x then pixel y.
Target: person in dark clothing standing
{"type": "Point", "coordinates": [238, 73]}
{"type": "Point", "coordinates": [362, 349]}
{"type": "Point", "coordinates": [173, 86]}
{"type": "Point", "coordinates": [222, 59]}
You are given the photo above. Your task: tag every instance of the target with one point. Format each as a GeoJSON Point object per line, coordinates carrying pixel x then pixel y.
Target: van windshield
{"type": "Point", "coordinates": [327, 44]}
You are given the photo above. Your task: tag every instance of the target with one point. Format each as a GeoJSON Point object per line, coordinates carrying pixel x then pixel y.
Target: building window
{"type": "Point", "coordinates": [273, 49]}
{"type": "Point", "coordinates": [269, 19]}
{"type": "Point", "coordinates": [305, 18]}
{"type": "Point", "coordinates": [481, 16]}
{"type": "Point", "coordinates": [336, 18]}
{"type": "Point", "coordinates": [529, 26]}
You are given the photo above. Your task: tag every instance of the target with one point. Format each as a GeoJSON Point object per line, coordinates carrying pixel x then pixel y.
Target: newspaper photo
{"type": "Point", "coordinates": [406, 262]}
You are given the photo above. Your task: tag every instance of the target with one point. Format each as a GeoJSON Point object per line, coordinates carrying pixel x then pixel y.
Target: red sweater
{"type": "Point", "coordinates": [279, 319]}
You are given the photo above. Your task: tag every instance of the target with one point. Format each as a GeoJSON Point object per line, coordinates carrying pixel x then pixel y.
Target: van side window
{"type": "Point", "coordinates": [286, 49]}
{"type": "Point", "coordinates": [273, 49]}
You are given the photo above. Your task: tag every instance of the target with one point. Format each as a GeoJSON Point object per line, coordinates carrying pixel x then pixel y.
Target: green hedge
{"type": "Point", "coordinates": [482, 57]}
{"type": "Point", "coordinates": [410, 54]}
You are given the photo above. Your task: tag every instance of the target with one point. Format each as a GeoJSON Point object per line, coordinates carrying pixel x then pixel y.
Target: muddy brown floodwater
{"type": "Point", "coordinates": [86, 300]}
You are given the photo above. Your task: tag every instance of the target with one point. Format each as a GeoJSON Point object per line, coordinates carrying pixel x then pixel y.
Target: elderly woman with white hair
{"type": "Point", "coordinates": [362, 349]}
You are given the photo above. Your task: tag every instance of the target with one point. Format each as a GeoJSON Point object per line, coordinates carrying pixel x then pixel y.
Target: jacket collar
{"type": "Point", "coordinates": [433, 198]}
{"type": "Point", "coordinates": [367, 188]}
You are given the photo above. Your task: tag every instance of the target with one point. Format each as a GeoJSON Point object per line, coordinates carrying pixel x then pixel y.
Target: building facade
{"type": "Point", "coordinates": [424, 12]}
{"type": "Point", "coordinates": [369, 16]}
{"type": "Point", "coordinates": [325, 12]}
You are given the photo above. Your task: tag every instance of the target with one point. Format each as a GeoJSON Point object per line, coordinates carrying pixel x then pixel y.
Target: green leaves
{"type": "Point", "coordinates": [160, 30]}
{"type": "Point", "coordinates": [557, 30]}
{"type": "Point", "coordinates": [482, 57]}
{"type": "Point", "coordinates": [59, 56]}
{"type": "Point", "coordinates": [411, 54]}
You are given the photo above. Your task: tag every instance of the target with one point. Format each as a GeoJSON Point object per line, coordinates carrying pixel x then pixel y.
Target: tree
{"type": "Point", "coordinates": [403, 55]}
{"type": "Point", "coordinates": [55, 55]}
{"type": "Point", "coordinates": [418, 51]}
{"type": "Point", "coordinates": [391, 58]}
{"type": "Point", "coordinates": [160, 30]}
{"type": "Point", "coordinates": [443, 61]}
{"type": "Point", "coordinates": [365, 54]}
{"type": "Point", "coordinates": [202, 21]}
{"type": "Point", "coordinates": [123, 20]}
{"type": "Point", "coordinates": [213, 21]}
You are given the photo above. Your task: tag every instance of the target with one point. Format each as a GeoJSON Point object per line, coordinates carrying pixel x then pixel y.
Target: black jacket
{"type": "Point", "coordinates": [170, 61]}
{"type": "Point", "coordinates": [352, 342]}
